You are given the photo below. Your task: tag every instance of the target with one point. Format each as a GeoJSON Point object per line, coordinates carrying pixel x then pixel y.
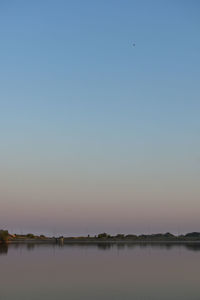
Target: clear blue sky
{"type": "Point", "coordinates": [96, 134]}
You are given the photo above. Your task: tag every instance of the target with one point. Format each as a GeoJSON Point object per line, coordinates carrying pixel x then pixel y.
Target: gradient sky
{"type": "Point", "coordinates": [97, 135]}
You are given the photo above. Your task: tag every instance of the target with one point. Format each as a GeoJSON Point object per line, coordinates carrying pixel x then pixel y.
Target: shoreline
{"type": "Point", "coordinates": [29, 241]}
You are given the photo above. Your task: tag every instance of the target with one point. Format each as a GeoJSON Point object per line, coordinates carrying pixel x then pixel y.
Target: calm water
{"type": "Point", "coordinates": [139, 272]}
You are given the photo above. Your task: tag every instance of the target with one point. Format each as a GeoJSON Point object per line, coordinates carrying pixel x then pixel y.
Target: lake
{"type": "Point", "coordinates": [100, 271]}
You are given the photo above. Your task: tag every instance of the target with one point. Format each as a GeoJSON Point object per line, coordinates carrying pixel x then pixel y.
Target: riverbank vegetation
{"type": "Point", "coordinates": [159, 237]}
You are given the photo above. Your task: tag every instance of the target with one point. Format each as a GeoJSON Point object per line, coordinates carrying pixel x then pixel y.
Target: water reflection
{"type": "Point", "coordinates": [139, 271]}
{"type": "Point", "coordinates": [30, 246]}
{"type": "Point", "coordinates": [191, 246]}
{"type": "Point", "coordinates": [3, 249]}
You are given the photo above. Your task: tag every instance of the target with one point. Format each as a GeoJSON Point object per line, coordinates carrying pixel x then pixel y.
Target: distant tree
{"type": "Point", "coordinates": [4, 235]}
{"type": "Point", "coordinates": [169, 236]}
{"type": "Point", "coordinates": [42, 236]}
{"type": "Point", "coordinates": [193, 235]}
{"type": "Point", "coordinates": [131, 236]}
{"type": "Point", "coordinates": [119, 236]}
{"type": "Point", "coordinates": [103, 235]}
{"type": "Point", "coordinates": [30, 236]}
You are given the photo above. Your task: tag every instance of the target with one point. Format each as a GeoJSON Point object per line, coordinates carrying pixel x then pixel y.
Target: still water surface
{"type": "Point", "coordinates": [100, 271]}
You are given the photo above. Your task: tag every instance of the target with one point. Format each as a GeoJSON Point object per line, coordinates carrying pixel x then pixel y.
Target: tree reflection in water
{"type": "Point", "coordinates": [195, 246]}
{"type": "Point", "coordinates": [4, 249]}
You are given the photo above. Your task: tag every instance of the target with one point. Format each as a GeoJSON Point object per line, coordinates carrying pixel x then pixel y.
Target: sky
{"type": "Point", "coordinates": [96, 134]}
